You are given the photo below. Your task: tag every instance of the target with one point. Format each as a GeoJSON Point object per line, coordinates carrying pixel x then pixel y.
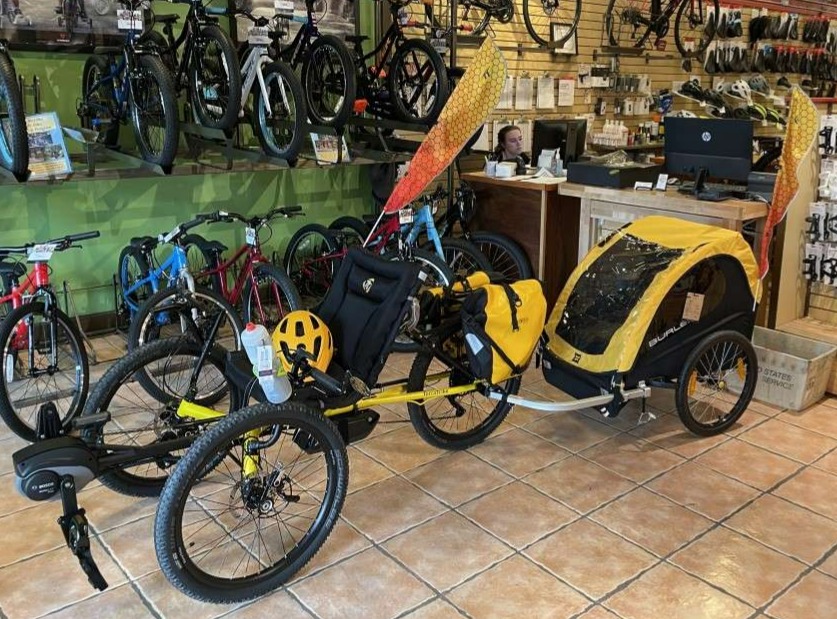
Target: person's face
{"type": "Point", "coordinates": [513, 144]}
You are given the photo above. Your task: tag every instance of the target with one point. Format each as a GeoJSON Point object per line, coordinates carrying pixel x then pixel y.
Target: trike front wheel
{"type": "Point", "coordinates": [716, 383]}
{"type": "Point", "coordinates": [276, 482]}
{"type": "Point", "coordinates": [454, 422]}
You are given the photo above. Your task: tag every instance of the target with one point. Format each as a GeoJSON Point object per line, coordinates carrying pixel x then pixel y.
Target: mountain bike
{"type": "Point", "coordinates": [70, 14]}
{"type": "Point", "coordinates": [14, 142]}
{"type": "Point", "coordinates": [266, 293]}
{"type": "Point", "coordinates": [131, 83]}
{"type": "Point", "coordinates": [42, 354]}
{"type": "Point", "coordinates": [327, 70]}
{"type": "Point", "coordinates": [403, 79]}
{"type": "Point", "coordinates": [633, 23]}
{"type": "Point", "coordinates": [548, 22]}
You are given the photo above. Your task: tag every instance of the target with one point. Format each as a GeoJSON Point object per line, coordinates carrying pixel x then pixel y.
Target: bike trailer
{"type": "Point", "coordinates": [641, 300]}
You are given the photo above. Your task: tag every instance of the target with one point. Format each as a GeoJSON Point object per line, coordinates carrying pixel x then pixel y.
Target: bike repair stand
{"type": "Point", "coordinates": [73, 523]}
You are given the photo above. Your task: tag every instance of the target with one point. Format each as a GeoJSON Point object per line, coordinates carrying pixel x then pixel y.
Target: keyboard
{"type": "Point", "coordinates": [715, 192]}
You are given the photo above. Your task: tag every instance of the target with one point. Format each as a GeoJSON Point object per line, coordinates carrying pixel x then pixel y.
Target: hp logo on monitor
{"type": "Point", "coordinates": [706, 136]}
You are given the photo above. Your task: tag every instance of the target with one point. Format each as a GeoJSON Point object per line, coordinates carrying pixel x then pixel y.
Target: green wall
{"type": "Point", "coordinates": [124, 208]}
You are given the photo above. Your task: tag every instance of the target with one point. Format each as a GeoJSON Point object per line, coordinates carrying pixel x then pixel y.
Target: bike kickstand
{"type": "Point", "coordinates": [74, 526]}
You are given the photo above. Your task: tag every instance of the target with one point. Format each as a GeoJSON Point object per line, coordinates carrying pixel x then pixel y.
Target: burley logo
{"type": "Point", "coordinates": [367, 285]}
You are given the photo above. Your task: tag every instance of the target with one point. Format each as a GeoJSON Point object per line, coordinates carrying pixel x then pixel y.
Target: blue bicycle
{"type": "Point", "coordinates": [131, 83]}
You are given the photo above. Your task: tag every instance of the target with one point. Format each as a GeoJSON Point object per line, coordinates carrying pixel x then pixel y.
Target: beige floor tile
{"type": "Point", "coordinates": [437, 609]}
{"type": "Point", "coordinates": [389, 507]}
{"type": "Point", "coordinates": [369, 585]}
{"type": "Point", "coordinates": [813, 596]}
{"type": "Point", "coordinates": [581, 484]}
{"type": "Point", "coordinates": [452, 536]}
{"type": "Point", "coordinates": [133, 546]}
{"type": "Point", "coordinates": [749, 420]}
{"type": "Point", "coordinates": [786, 527]}
{"type": "Point", "coordinates": [343, 541]}
{"type": "Point", "coordinates": [104, 606]}
{"type": "Point", "coordinates": [51, 581]}
{"type": "Point", "coordinates": [519, 452]}
{"type": "Point", "coordinates": [107, 509]}
{"type": "Point", "coordinates": [517, 588]}
{"type": "Point", "coordinates": [364, 471]}
{"type": "Point", "coordinates": [590, 558]}
{"type": "Point", "coordinates": [652, 521]}
{"type": "Point", "coordinates": [828, 462]}
{"type": "Point", "coordinates": [12, 501]}
{"type": "Point", "coordinates": [662, 400]}
{"type": "Point", "coordinates": [764, 408]}
{"type": "Point", "coordinates": [666, 591]}
{"type": "Point", "coordinates": [632, 457]}
{"type": "Point", "coordinates": [629, 418]}
{"type": "Point", "coordinates": [9, 446]}
{"type": "Point", "coordinates": [279, 604]}
{"type": "Point", "coordinates": [738, 565]}
{"type": "Point", "coordinates": [30, 532]}
{"type": "Point", "coordinates": [458, 477]}
{"type": "Point", "coordinates": [572, 431]}
{"type": "Point", "coordinates": [599, 612]}
{"type": "Point", "coordinates": [521, 416]}
{"type": "Point", "coordinates": [789, 440]}
{"type": "Point", "coordinates": [747, 463]}
{"type": "Point", "coordinates": [829, 566]}
{"type": "Point", "coordinates": [814, 489]}
{"type": "Point", "coordinates": [170, 602]}
{"type": "Point", "coordinates": [819, 418]}
{"type": "Point", "coordinates": [703, 490]}
{"type": "Point", "coordinates": [669, 432]}
{"type": "Point", "coordinates": [400, 450]}
{"type": "Point", "coordinates": [518, 514]}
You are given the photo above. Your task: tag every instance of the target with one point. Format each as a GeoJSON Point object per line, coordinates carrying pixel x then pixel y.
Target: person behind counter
{"type": "Point", "coordinates": [510, 147]}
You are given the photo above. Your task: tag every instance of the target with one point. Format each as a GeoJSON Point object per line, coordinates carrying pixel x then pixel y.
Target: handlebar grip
{"type": "Point", "coordinates": [286, 210]}
{"type": "Point", "coordinates": [216, 10]}
{"type": "Point", "coordinates": [83, 236]}
{"type": "Point", "coordinates": [329, 383]}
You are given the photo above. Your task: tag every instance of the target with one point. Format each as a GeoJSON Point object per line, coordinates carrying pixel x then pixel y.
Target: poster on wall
{"type": "Point", "coordinates": [48, 157]}
{"type": "Point", "coordinates": [59, 24]}
{"type": "Point", "coordinates": [335, 17]}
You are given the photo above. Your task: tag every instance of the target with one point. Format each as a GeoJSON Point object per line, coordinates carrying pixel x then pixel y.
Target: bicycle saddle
{"type": "Point", "coordinates": [166, 19]}
{"type": "Point", "coordinates": [144, 243]}
{"type": "Point", "coordinates": [216, 247]}
{"type": "Point", "coordinates": [13, 269]}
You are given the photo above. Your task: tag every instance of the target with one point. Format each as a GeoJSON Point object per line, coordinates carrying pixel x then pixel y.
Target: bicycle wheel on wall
{"type": "Point", "coordinates": [468, 13]}
{"type": "Point", "coordinates": [418, 82]}
{"type": "Point", "coordinates": [329, 81]}
{"type": "Point", "coordinates": [43, 360]}
{"type": "Point", "coordinates": [153, 109]}
{"type": "Point", "coordinates": [279, 122]}
{"type": "Point", "coordinates": [690, 33]}
{"type": "Point", "coordinates": [14, 145]}
{"type": "Point", "coordinates": [627, 23]}
{"type": "Point", "coordinates": [215, 80]}
{"type": "Point", "coordinates": [551, 21]}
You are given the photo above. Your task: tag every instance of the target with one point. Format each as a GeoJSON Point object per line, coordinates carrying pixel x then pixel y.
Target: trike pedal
{"type": "Point", "coordinates": [76, 533]}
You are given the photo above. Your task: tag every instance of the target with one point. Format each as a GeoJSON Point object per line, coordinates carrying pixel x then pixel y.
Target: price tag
{"type": "Point", "coordinates": [41, 252]}
{"type": "Point", "coordinates": [129, 20]}
{"type": "Point", "coordinates": [258, 36]}
{"type": "Point", "coordinates": [264, 361]}
{"type": "Point", "coordinates": [284, 8]}
{"type": "Point", "coordinates": [440, 45]}
{"type": "Point", "coordinates": [250, 236]}
{"type": "Point", "coordinates": [693, 307]}
{"type": "Point", "coordinates": [405, 216]}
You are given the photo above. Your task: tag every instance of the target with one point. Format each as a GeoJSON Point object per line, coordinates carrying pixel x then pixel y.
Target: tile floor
{"type": "Point", "coordinates": [553, 516]}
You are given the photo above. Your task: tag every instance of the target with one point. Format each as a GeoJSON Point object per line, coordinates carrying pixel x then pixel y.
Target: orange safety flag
{"type": "Point", "coordinates": [468, 107]}
{"type": "Point", "coordinates": [800, 138]}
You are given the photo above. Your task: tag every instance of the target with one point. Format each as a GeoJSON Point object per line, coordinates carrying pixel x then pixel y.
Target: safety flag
{"type": "Point", "coordinates": [468, 107]}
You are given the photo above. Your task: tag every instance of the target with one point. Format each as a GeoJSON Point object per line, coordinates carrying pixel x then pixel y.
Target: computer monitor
{"type": "Point", "coordinates": [567, 134]}
{"type": "Point", "coordinates": [722, 147]}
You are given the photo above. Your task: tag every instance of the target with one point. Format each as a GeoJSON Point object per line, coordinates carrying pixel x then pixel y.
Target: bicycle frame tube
{"type": "Point", "coordinates": [423, 219]}
{"type": "Point", "coordinates": [174, 267]}
{"type": "Point", "coordinates": [30, 284]}
{"type": "Point", "coordinates": [251, 71]}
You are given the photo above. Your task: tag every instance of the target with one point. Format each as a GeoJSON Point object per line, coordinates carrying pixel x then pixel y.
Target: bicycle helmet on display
{"type": "Point", "coordinates": [739, 89]}
{"type": "Point", "coordinates": [691, 89]}
{"type": "Point", "coordinates": [774, 116]}
{"type": "Point", "coordinates": [302, 329]}
{"type": "Point", "coordinates": [684, 114]}
{"type": "Point", "coordinates": [713, 99]}
{"type": "Point", "coordinates": [759, 84]}
{"type": "Point", "coordinates": [757, 112]}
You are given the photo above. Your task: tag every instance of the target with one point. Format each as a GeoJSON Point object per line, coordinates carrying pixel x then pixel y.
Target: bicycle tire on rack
{"type": "Point", "coordinates": [227, 117]}
{"type": "Point", "coordinates": [134, 418]}
{"type": "Point", "coordinates": [24, 423]}
{"type": "Point", "coordinates": [336, 115]}
{"type": "Point", "coordinates": [313, 285]}
{"type": "Point", "coordinates": [409, 113]}
{"type": "Point", "coordinates": [126, 276]}
{"type": "Point", "coordinates": [153, 67]}
{"type": "Point", "coordinates": [305, 439]}
{"type": "Point", "coordinates": [462, 256]}
{"type": "Point", "coordinates": [505, 256]}
{"type": "Point", "coordinates": [199, 260]}
{"type": "Point", "coordinates": [543, 38]}
{"type": "Point", "coordinates": [14, 142]}
{"type": "Point", "coordinates": [95, 69]}
{"type": "Point", "coordinates": [288, 301]}
{"type": "Point", "coordinates": [287, 147]}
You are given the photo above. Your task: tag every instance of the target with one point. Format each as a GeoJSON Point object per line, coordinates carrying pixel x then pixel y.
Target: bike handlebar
{"type": "Point", "coordinates": [256, 221]}
{"type": "Point", "coordinates": [62, 243]}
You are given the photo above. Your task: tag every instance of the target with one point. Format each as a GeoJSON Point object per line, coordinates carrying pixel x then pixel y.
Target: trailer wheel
{"type": "Point", "coordinates": [717, 383]}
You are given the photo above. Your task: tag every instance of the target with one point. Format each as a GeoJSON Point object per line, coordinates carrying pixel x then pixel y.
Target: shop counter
{"type": "Point", "coordinates": [557, 223]}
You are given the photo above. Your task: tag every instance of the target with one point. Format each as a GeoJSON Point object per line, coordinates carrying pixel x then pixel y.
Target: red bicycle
{"type": "Point", "coordinates": [249, 278]}
{"type": "Point", "coordinates": [42, 355]}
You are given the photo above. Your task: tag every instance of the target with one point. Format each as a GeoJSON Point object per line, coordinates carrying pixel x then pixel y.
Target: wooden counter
{"type": "Point", "coordinates": [557, 223]}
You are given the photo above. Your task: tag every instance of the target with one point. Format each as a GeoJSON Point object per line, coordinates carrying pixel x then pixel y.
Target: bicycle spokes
{"type": "Point", "coordinates": [327, 82]}
{"type": "Point", "coordinates": [417, 84]}
{"type": "Point", "coordinates": [149, 110]}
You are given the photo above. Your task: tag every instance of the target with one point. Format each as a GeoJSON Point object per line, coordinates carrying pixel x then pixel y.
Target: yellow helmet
{"type": "Point", "coordinates": [302, 329]}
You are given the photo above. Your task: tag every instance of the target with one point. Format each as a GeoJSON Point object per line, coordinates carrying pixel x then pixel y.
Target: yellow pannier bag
{"type": "Point", "coordinates": [502, 325]}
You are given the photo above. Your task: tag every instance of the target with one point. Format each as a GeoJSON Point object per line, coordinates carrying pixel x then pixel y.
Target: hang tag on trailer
{"type": "Point", "coordinates": [41, 252]}
{"type": "Point", "coordinates": [129, 20]}
{"type": "Point", "coordinates": [284, 8]}
{"type": "Point", "coordinates": [250, 236]}
{"type": "Point", "coordinates": [264, 361]}
{"type": "Point", "coordinates": [405, 216]}
{"type": "Point", "coordinates": [693, 307]}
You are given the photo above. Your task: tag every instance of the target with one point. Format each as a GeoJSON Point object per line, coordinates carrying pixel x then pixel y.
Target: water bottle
{"type": "Point", "coordinates": [271, 373]}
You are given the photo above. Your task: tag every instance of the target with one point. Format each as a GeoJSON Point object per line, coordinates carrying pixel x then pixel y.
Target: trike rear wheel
{"type": "Point", "coordinates": [454, 422]}
{"type": "Point", "coordinates": [717, 383]}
